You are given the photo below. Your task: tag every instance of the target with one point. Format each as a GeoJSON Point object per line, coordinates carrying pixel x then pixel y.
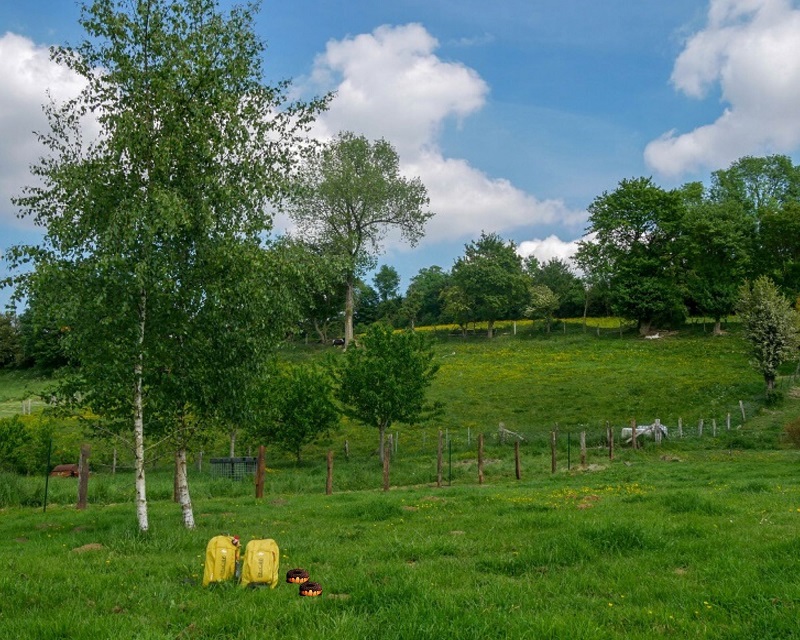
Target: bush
{"type": "Point", "coordinates": [792, 431]}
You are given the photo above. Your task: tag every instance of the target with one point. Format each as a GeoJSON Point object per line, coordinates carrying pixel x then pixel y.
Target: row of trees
{"type": "Point", "coordinates": [154, 280]}
{"type": "Point", "coordinates": [650, 256]}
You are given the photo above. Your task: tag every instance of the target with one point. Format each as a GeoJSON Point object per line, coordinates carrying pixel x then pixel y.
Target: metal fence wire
{"type": "Point", "coordinates": [235, 468]}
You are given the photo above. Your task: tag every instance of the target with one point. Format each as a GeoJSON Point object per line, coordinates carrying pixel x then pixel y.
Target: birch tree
{"type": "Point", "coordinates": [152, 246]}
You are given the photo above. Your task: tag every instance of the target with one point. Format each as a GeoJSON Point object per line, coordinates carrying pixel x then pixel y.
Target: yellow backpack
{"type": "Point", "coordinates": [261, 559]}
{"type": "Point", "coordinates": [222, 552]}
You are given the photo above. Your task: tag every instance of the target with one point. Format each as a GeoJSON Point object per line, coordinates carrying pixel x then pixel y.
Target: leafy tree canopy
{"type": "Point", "coordinates": [350, 195]}
{"type": "Point", "coordinates": [384, 380]}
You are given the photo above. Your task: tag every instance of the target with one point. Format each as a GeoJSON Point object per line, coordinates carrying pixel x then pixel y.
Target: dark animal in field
{"type": "Point", "coordinates": [338, 342]}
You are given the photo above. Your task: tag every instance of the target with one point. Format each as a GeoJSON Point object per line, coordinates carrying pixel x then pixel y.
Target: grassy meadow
{"type": "Point", "coordinates": [698, 537]}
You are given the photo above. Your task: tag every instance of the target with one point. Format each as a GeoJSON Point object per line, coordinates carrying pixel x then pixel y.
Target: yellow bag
{"type": "Point", "coordinates": [261, 560]}
{"type": "Point", "coordinates": [222, 552]}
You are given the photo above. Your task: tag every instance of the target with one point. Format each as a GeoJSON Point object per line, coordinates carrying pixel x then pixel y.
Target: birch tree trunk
{"type": "Point", "coordinates": [138, 421]}
{"type": "Point", "coordinates": [183, 489]}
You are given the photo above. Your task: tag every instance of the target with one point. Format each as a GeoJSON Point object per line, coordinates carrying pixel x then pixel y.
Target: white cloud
{"type": "Point", "coordinates": [467, 201]}
{"type": "Point", "coordinates": [27, 74]}
{"type": "Point", "coordinates": [751, 49]}
{"type": "Point", "coordinates": [390, 84]}
{"type": "Point", "coordinates": [549, 248]}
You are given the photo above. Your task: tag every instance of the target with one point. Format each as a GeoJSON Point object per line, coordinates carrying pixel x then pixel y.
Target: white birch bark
{"type": "Point", "coordinates": [138, 422]}
{"type": "Point", "coordinates": [183, 490]}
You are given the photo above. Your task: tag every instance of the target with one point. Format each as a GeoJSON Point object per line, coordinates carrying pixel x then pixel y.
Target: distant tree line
{"type": "Point", "coordinates": [650, 255]}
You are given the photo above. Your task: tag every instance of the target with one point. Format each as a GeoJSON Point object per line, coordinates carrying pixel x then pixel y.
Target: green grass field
{"type": "Point", "coordinates": [704, 544]}
{"type": "Point", "coordinates": [698, 537]}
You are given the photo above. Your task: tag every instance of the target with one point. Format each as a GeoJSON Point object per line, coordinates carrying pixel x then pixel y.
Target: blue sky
{"type": "Point", "coordinates": [516, 114]}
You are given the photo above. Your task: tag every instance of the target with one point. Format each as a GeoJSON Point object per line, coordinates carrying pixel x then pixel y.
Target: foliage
{"type": "Point", "coordinates": [543, 304]}
{"type": "Point", "coordinates": [152, 258]}
{"type": "Point", "coordinates": [757, 184]}
{"type": "Point", "coordinates": [11, 353]}
{"type": "Point", "coordinates": [492, 283]}
{"type": "Point", "coordinates": [556, 275]}
{"type": "Point", "coordinates": [719, 243]}
{"type": "Point", "coordinates": [386, 378]}
{"type": "Point", "coordinates": [26, 439]}
{"type": "Point", "coordinates": [387, 283]}
{"type": "Point", "coordinates": [298, 408]}
{"type": "Point", "coordinates": [771, 327]}
{"type": "Point", "coordinates": [351, 194]}
{"type": "Point", "coordinates": [632, 249]}
{"type": "Point", "coordinates": [767, 189]}
{"type": "Point", "coordinates": [423, 300]}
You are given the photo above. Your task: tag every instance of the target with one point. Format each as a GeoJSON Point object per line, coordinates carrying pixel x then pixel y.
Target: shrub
{"type": "Point", "coordinates": [792, 431]}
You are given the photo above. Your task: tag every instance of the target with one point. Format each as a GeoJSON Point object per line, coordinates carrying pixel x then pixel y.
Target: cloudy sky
{"type": "Point", "coordinates": [516, 114]}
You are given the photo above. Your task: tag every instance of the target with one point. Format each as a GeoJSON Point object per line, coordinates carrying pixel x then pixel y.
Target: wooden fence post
{"type": "Point", "coordinates": [83, 476]}
{"type": "Point", "coordinates": [633, 434]}
{"type": "Point", "coordinates": [552, 452]}
{"type": "Point", "coordinates": [700, 428]}
{"type": "Point", "coordinates": [329, 481]}
{"type": "Point", "coordinates": [680, 427]}
{"type": "Point", "coordinates": [741, 406]}
{"type": "Point", "coordinates": [261, 471]}
{"type": "Point", "coordinates": [439, 461]}
{"type": "Point", "coordinates": [386, 470]}
{"type": "Point", "coordinates": [480, 458]}
{"type": "Point", "coordinates": [657, 434]}
{"type": "Point", "coordinates": [347, 450]}
{"type": "Point", "coordinates": [114, 463]}
{"type": "Point", "coordinates": [714, 427]}
{"type": "Point", "coordinates": [517, 470]}
{"type": "Point", "coordinates": [728, 422]}
{"type": "Point", "coordinates": [583, 449]}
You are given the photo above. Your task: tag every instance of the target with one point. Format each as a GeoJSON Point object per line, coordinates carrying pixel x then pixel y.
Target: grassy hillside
{"type": "Point", "coordinates": [697, 537]}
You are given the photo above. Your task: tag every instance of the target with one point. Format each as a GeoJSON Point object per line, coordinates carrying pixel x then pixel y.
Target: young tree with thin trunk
{"type": "Point", "coordinates": [351, 195]}
{"type": "Point", "coordinates": [385, 379]}
{"type": "Point", "coordinates": [152, 247]}
{"type": "Point", "coordinates": [771, 326]}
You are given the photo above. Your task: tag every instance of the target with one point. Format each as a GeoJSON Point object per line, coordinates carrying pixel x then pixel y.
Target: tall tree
{"type": "Point", "coordinates": [387, 284]}
{"type": "Point", "coordinates": [718, 243]}
{"type": "Point", "coordinates": [634, 250]}
{"type": "Point", "coordinates": [351, 195]}
{"type": "Point", "coordinates": [768, 190]}
{"type": "Point", "coordinates": [153, 230]}
{"type": "Point", "coordinates": [422, 303]}
{"type": "Point", "coordinates": [492, 280]}
{"type": "Point", "coordinates": [771, 326]}
{"type": "Point", "coordinates": [757, 184]}
{"type": "Point", "coordinates": [385, 379]}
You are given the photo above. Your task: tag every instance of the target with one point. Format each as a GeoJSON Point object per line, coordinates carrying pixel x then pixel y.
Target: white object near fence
{"type": "Point", "coordinates": [648, 430]}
